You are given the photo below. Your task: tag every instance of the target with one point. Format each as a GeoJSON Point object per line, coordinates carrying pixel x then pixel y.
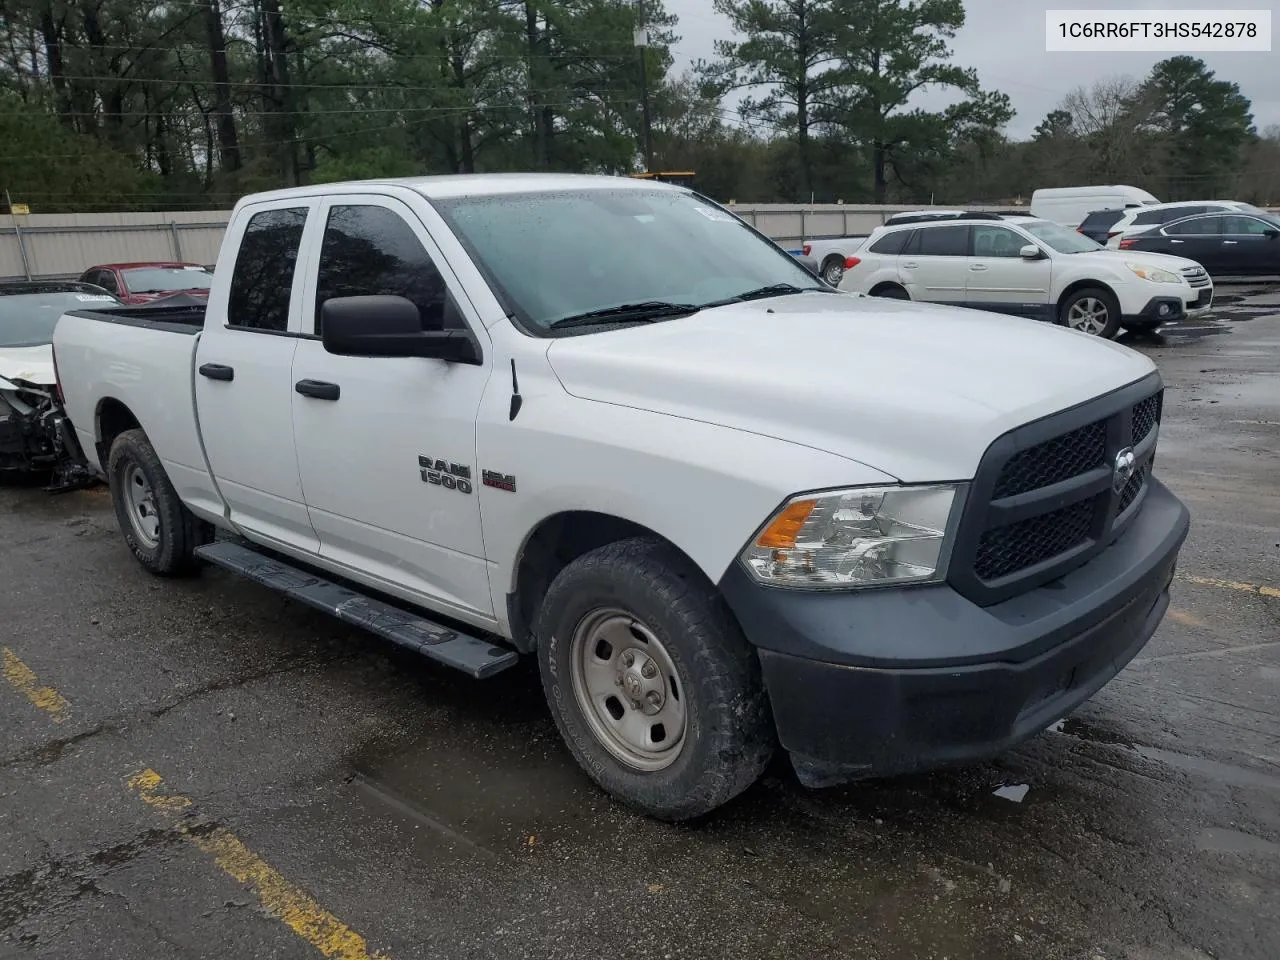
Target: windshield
{"type": "Point", "coordinates": [167, 279]}
{"type": "Point", "coordinates": [560, 255]}
{"type": "Point", "coordinates": [28, 319]}
{"type": "Point", "coordinates": [1060, 238]}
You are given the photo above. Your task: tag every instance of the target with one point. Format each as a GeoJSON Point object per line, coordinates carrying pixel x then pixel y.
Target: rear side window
{"type": "Point", "coordinates": [263, 276]}
{"type": "Point", "coordinates": [951, 241]}
{"type": "Point", "coordinates": [1102, 218]}
{"type": "Point", "coordinates": [891, 243]}
{"type": "Point", "coordinates": [1196, 226]}
{"type": "Point", "coordinates": [370, 251]}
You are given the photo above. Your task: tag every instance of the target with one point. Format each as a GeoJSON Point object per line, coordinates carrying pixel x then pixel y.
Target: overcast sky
{"type": "Point", "coordinates": [1005, 39]}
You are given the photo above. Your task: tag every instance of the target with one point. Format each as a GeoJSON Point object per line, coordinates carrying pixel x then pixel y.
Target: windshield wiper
{"type": "Point", "coordinates": [646, 312]}
{"type": "Point", "coordinates": [773, 290]}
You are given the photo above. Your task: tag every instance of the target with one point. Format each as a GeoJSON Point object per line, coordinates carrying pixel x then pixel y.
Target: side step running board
{"type": "Point", "coordinates": [471, 655]}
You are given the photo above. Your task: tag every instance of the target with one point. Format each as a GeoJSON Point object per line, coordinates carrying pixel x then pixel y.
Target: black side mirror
{"type": "Point", "coordinates": [387, 326]}
{"type": "Point", "coordinates": [1271, 233]}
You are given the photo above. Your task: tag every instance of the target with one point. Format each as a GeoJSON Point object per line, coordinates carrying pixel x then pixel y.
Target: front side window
{"type": "Point", "coordinates": [371, 251]}
{"type": "Point", "coordinates": [952, 241]}
{"type": "Point", "coordinates": [262, 281]}
{"type": "Point", "coordinates": [996, 242]}
{"type": "Point", "coordinates": [559, 256]}
{"type": "Point", "coordinates": [1246, 226]}
{"type": "Point", "coordinates": [1195, 227]}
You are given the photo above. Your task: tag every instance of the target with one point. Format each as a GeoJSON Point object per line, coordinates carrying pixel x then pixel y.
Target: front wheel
{"type": "Point", "coordinates": [160, 531]}
{"type": "Point", "coordinates": [653, 687]}
{"type": "Point", "coordinates": [1093, 311]}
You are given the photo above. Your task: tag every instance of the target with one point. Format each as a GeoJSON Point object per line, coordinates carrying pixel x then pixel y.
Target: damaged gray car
{"type": "Point", "coordinates": [36, 439]}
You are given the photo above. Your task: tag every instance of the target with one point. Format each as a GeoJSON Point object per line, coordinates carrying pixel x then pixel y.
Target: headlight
{"type": "Point", "coordinates": [867, 536]}
{"type": "Point", "coordinates": [1153, 274]}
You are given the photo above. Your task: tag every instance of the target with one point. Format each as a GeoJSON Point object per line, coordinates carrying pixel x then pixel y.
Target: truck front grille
{"type": "Point", "coordinates": [1045, 499]}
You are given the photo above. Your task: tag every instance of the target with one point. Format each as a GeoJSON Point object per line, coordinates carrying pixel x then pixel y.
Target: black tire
{"type": "Point", "coordinates": [1110, 327]}
{"type": "Point", "coordinates": [728, 730]}
{"type": "Point", "coordinates": [891, 292]}
{"type": "Point", "coordinates": [179, 530]}
{"type": "Point", "coordinates": [833, 270]}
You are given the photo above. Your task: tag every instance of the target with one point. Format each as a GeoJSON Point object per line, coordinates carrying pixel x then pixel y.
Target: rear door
{"type": "Point", "coordinates": [1000, 279]}
{"type": "Point", "coordinates": [243, 385]}
{"type": "Point", "coordinates": [1198, 239]}
{"type": "Point", "coordinates": [934, 265]}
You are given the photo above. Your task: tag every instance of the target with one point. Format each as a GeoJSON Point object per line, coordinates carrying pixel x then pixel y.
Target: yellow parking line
{"type": "Point", "coordinates": [23, 679]}
{"type": "Point", "coordinates": [289, 904]}
{"type": "Point", "coordinates": [1184, 618]}
{"type": "Point", "coordinates": [1273, 592]}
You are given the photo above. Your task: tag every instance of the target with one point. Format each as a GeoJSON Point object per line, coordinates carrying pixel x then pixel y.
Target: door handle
{"type": "Point", "coordinates": [910, 266]}
{"type": "Point", "coordinates": [1229, 243]}
{"type": "Point", "coordinates": [1179, 241]}
{"type": "Point", "coordinates": [217, 371]}
{"type": "Point", "coordinates": [318, 389]}
{"type": "Point", "coordinates": [978, 266]}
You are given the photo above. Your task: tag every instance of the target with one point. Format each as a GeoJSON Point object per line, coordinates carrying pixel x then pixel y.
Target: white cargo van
{"type": "Point", "coordinates": [1070, 205]}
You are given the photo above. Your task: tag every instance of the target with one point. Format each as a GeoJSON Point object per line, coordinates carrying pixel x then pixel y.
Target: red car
{"type": "Point", "coordinates": [147, 282]}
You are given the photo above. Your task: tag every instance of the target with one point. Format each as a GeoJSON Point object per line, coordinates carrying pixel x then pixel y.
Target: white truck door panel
{"type": "Point", "coordinates": [1000, 280]}
{"type": "Point", "coordinates": [243, 385]}
{"type": "Point", "coordinates": [388, 467]}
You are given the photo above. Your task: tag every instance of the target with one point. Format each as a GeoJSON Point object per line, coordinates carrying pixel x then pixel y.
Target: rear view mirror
{"type": "Point", "coordinates": [1271, 233]}
{"type": "Point", "coordinates": [1030, 252]}
{"type": "Point", "coordinates": [387, 326]}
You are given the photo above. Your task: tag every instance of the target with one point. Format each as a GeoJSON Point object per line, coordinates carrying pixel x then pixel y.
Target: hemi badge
{"type": "Point", "coordinates": [499, 481]}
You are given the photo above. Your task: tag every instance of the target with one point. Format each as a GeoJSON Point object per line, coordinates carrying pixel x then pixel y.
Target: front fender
{"type": "Point", "coordinates": [704, 487]}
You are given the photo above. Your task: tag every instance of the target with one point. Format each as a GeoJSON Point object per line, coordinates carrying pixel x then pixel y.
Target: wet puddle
{"type": "Point", "coordinates": [1221, 840]}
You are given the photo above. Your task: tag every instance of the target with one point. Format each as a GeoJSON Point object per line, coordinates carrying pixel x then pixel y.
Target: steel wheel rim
{"type": "Point", "coordinates": [627, 687]}
{"type": "Point", "coordinates": [834, 274]}
{"type": "Point", "coordinates": [140, 501]}
{"type": "Point", "coordinates": [1088, 315]}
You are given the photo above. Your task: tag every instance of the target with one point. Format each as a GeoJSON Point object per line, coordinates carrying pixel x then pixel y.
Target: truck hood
{"type": "Point", "coordinates": [33, 365]}
{"type": "Point", "coordinates": [917, 391]}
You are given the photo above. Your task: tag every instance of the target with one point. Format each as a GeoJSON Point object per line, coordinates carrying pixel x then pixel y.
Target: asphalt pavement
{"type": "Point", "coordinates": [202, 769]}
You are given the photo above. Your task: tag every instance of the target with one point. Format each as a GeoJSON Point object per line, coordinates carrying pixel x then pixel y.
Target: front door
{"type": "Point", "coordinates": [1247, 251]}
{"type": "Point", "coordinates": [934, 266]}
{"type": "Point", "coordinates": [243, 390]}
{"type": "Point", "coordinates": [387, 445]}
{"type": "Point", "coordinates": [1001, 280]}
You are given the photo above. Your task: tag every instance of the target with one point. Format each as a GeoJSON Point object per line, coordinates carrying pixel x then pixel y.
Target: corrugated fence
{"type": "Point", "coordinates": [58, 245]}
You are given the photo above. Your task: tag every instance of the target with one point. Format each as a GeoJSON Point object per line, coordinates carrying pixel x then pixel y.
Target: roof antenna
{"type": "Point", "coordinates": [517, 401]}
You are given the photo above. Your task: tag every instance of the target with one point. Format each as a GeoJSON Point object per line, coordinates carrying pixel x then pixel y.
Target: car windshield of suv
{"type": "Point", "coordinates": [28, 319]}
{"type": "Point", "coordinates": [167, 279]}
{"type": "Point", "coordinates": [584, 257]}
{"type": "Point", "coordinates": [1060, 238]}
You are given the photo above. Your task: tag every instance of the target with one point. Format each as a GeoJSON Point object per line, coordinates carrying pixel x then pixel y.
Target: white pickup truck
{"type": "Point", "coordinates": [606, 423]}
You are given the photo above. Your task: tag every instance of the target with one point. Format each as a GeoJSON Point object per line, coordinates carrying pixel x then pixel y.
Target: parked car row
{"type": "Point", "coordinates": [602, 422]}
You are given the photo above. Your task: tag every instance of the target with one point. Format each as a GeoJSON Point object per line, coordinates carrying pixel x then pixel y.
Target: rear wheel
{"type": "Point", "coordinates": [891, 291]}
{"type": "Point", "coordinates": [833, 270]}
{"type": "Point", "coordinates": [653, 687]}
{"type": "Point", "coordinates": [1093, 311]}
{"type": "Point", "coordinates": [160, 531]}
